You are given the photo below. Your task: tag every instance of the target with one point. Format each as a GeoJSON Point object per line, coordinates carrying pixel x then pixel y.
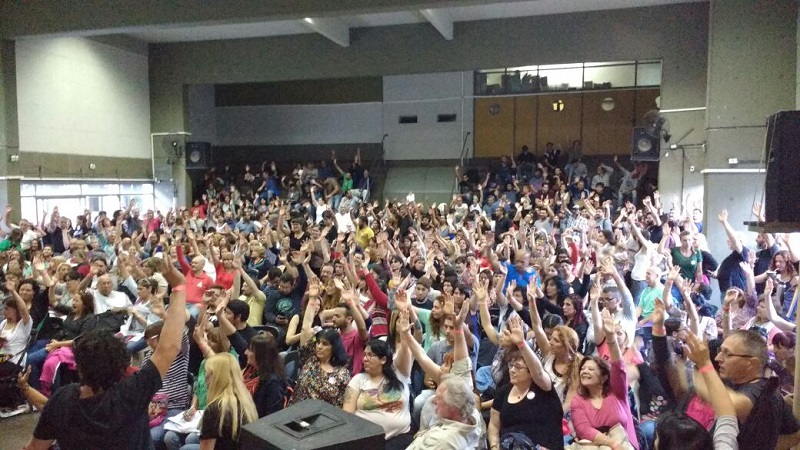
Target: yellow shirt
{"type": "Point", "coordinates": [363, 236]}
{"type": "Point", "coordinates": [256, 304]}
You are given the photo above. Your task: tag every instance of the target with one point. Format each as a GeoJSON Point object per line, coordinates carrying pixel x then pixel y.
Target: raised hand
{"type": "Point", "coordinates": [400, 300]}
{"type": "Point", "coordinates": [698, 350]}
{"type": "Point", "coordinates": [514, 327]}
{"type": "Point", "coordinates": [403, 323]}
{"type": "Point", "coordinates": [608, 324]}
{"type": "Point", "coordinates": [723, 216]}
{"type": "Point", "coordinates": [449, 305]}
{"type": "Point", "coordinates": [313, 287]}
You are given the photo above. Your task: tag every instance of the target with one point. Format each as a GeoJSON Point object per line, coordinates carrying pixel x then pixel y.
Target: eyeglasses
{"type": "Point", "coordinates": [726, 354]}
{"type": "Point", "coordinates": [516, 367]}
{"type": "Point", "coordinates": [607, 299]}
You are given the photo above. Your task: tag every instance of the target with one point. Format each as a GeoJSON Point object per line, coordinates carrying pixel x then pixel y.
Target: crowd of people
{"type": "Point", "coordinates": [539, 309]}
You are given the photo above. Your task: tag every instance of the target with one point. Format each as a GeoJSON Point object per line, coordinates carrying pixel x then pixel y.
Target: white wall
{"type": "Point", "coordinates": [78, 96]}
{"type": "Point", "coordinates": [426, 96]}
{"type": "Point", "coordinates": [299, 124]}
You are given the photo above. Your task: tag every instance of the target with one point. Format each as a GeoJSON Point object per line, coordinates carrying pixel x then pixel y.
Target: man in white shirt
{"type": "Point", "coordinates": [106, 298]}
{"type": "Point", "coordinates": [458, 419]}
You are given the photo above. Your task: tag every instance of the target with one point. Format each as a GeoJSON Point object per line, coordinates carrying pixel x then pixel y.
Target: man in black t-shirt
{"type": "Point", "coordinates": [107, 410]}
{"type": "Point", "coordinates": [764, 418]}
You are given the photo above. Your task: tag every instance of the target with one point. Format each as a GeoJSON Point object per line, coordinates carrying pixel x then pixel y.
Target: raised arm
{"type": "Point", "coordinates": [480, 294]}
{"type": "Point", "coordinates": [514, 328]}
{"type": "Point", "coordinates": [22, 308]}
{"type": "Point", "coordinates": [312, 308]}
{"type": "Point", "coordinates": [169, 342]}
{"type": "Point", "coordinates": [536, 322]}
{"type": "Point", "coordinates": [352, 297]}
{"type": "Point", "coordinates": [723, 219]}
{"type": "Point", "coordinates": [428, 365]}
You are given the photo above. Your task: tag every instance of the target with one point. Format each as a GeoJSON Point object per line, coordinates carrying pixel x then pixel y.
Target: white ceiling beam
{"type": "Point", "coordinates": [332, 28]}
{"type": "Point", "coordinates": [440, 21]}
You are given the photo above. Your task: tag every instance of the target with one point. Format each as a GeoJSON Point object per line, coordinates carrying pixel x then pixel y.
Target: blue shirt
{"type": "Point", "coordinates": [522, 279]}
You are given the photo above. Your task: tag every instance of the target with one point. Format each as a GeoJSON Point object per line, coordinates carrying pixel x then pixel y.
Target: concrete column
{"type": "Point", "coordinates": [752, 54]}
{"type": "Point", "coordinates": [9, 130]}
{"type": "Point", "coordinates": [169, 114]}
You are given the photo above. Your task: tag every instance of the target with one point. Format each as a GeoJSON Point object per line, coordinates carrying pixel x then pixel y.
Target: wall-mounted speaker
{"type": "Point", "coordinates": [782, 185]}
{"type": "Point", "coordinates": [644, 146]}
{"type": "Point", "coordinates": [198, 155]}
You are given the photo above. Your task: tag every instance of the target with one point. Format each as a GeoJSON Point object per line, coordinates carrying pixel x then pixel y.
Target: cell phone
{"type": "Point", "coordinates": [772, 274]}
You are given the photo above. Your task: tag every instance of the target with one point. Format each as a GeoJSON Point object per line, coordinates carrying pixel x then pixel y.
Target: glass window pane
{"type": "Point", "coordinates": [131, 188]}
{"type": "Point", "coordinates": [109, 204]}
{"type": "Point", "coordinates": [561, 79]}
{"type": "Point", "coordinates": [99, 188]}
{"type": "Point", "coordinates": [608, 63]}
{"type": "Point", "coordinates": [29, 210]}
{"type": "Point", "coordinates": [649, 74]}
{"type": "Point", "coordinates": [615, 76]}
{"type": "Point", "coordinates": [27, 190]}
{"type": "Point", "coordinates": [57, 189]}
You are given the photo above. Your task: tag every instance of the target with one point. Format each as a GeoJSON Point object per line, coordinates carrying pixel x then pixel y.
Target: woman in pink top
{"type": "Point", "coordinates": [602, 398]}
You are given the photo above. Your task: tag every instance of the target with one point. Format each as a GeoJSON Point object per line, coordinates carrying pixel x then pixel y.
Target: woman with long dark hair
{"type": "Point", "coordinates": [323, 361]}
{"type": "Point", "coordinates": [264, 376]}
{"type": "Point", "coordinates": [380, 393]}
{"type": "Point", "coordinates": [575, 317]}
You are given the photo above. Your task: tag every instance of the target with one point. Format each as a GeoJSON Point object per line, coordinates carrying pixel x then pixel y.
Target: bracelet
{"type": "Point", "coordinates": [706, 369]}
{"type": "Point", "coordinates": [458, 330]}
{"type": "Point", "coordinates": [726, 309]}
{"type": "Point", "coordinates": [522, 345]}
{"type": "Point", "coordinates": [659, 329]}
{"type": "Point", "coordinates": [179, 288]}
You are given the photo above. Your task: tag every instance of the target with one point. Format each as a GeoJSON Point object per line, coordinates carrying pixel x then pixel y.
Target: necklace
{"type": "Point", "coordinates": [519, 396]}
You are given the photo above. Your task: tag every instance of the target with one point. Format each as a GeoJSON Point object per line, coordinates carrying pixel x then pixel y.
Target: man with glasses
{"type": "Point", "coordinates": [765, 420]}
{"type": "Point", "coordinates": [617, 299]}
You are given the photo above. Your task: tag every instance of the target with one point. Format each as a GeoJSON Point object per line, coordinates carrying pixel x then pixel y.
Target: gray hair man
{"type": "Point", "coordinates": [458, 423]}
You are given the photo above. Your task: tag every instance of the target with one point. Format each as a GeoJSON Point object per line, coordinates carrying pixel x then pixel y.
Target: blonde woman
{"type": "Point", "coordinates": [230, 405]}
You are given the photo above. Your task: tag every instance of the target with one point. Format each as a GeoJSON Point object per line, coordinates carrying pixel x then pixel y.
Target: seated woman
{"type": "Point", "coordinates": [530, 394]}
{"type": "Point", "coordinates": [601, 406]}
{"type": "Point", "coordinates": [324, 371]}
{"type": "Point", "coordinates": [229, 408]}
{"type": "Point", "coordinates": [210, 343]}
{"type": "Point", "coordinates": [15, 330]}
{"type": "Point", "coordinates": [264, 376]}
{"type": "Point", "coordinates": [380, 393]}
{"type": "Point", "coordinates": [45, 362]}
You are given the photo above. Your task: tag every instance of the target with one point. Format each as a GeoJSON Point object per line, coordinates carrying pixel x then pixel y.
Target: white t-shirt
{"type": "Point", "coordinates": [387, 409]}
{"type": "Point", "coordinates": [344, 223]}
{"type": "Point", "coordinates": [15, 338]}
{"type": "Point", "coordinates": [115, 300]}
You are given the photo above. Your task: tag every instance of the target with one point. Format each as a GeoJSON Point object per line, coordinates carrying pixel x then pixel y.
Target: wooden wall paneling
{"type": "Point", "coordinates": [607, 132]}
{"type": "Point", "coordinates": [494, 126]}
{"type": "Point", "coordinates": [525, 124]}
{"type": "Point", "coordinates": [559, 127]}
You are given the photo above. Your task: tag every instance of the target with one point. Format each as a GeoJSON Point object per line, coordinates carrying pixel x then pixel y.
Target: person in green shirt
{"type": "Point", "coordinates": [14, 241]}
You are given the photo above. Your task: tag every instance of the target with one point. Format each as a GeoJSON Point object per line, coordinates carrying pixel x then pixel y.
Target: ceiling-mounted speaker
{"type": "Point", "coordinates": [198, 155]}
{"type": "Point", "coordinates": [645, 146]}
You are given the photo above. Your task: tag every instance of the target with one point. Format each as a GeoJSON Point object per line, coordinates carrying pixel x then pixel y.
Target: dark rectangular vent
{"type": "Point", "coordinates": [408, 119]}
{"type": "Point", "coordinates": [446, 118]}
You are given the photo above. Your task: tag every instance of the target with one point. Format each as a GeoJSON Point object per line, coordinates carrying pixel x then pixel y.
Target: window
{"type": "Point", "coordinates": [446, 118]}
{"type": "Point", "coordinates": [73, 198]}
{"type": "Point", "coordinates": [407, 119]}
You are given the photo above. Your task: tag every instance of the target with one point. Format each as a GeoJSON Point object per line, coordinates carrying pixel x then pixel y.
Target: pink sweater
{"type": "Point", "coordinates": [615, 410]}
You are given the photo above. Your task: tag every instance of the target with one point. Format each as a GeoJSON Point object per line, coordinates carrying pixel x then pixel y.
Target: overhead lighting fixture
{"type": "Point", "coordinates": [608, 104]}
{"type": "Point", "coordinates": [309, 20]}
{"type": "Point", "coordinates": [558, 105]}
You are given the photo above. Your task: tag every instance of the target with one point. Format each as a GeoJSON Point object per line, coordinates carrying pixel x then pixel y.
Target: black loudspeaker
{"type": "Point", "coordinates": [644, 146]}
{"type": "Point", "coordinates": [782, 185]}
{"type": "Point", "coordinates": [312, 425]}
{"type": "Point", "coordinates": [198, 155]}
